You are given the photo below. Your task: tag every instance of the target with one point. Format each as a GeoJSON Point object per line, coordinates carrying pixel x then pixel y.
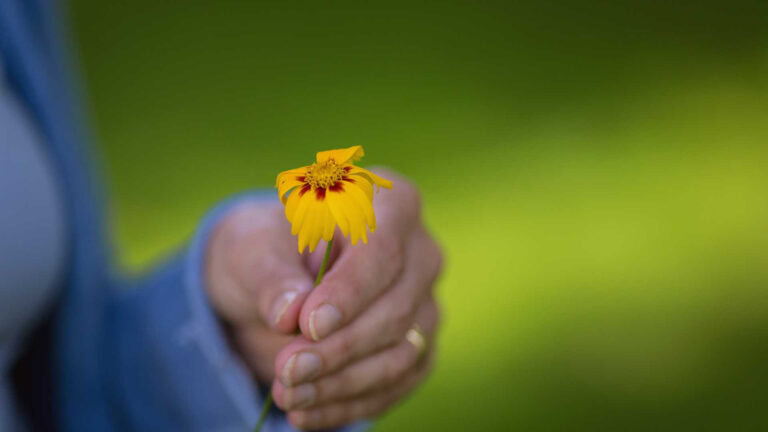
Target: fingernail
{"type": "Point", "coordinates": [281, 305]}
{"type": "Point", "coordinates": [301, 396]}
{"type": "Point", "coordinates": [323, 320]}
{"type": "Point", "coordinates": [300, 367]}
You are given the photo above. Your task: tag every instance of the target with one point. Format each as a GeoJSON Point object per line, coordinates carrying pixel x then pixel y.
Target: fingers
{"type": "Point", "coordinates": [383, 324]}
{"type": "Point", "coordinates": [381, 370]}
{"type": "Point", "coordinates": [362, 272]}
{"type": "Point", "coordinates": [254, 274]}
{"type": "Point", "coordinates": [258, 346]}
{"type": "Point", "coordinates": [315, 259]}
{"type": "Point", "coordinates": [345, 412]}
{"type": "Point", "coordinates": [357, 278]}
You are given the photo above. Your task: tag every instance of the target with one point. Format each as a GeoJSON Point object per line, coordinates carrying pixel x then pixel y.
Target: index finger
{"type": "Point", "coordinates": [363, 272]}
{"type": "Point", "coordinates": [356, 279]}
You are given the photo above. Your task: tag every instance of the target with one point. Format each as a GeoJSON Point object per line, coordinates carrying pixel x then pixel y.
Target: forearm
{"type": "Point", "coordinates": [173, 368]}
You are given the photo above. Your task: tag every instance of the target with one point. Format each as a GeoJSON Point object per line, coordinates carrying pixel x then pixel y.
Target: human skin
{"type": "Point", "coordinates": [351, 359]}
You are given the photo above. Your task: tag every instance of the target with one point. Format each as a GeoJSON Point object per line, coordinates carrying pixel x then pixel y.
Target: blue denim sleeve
{"type": "Point", "coordinates": [173, 367]}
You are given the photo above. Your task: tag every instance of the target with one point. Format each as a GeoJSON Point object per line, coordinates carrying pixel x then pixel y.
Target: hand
{"type": "Point", "coordinates": [354, 360]}
{"type": "Point", "coordinates": [257, 282]}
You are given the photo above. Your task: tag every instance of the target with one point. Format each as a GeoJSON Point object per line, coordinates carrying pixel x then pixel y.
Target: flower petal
{"type": "Point", "coordinates": [291, 203]}
{"type": "Point", "coordinates": [288, 180]}
{"type": "Point", "coordinates": [364, 184]}
{"type": "Point", "coordinates": [320, 213]}
{"type": "Point", "coordinates": [363, 204]}
{"type": "Point", "coordinates": [337, 210]}
{"type": "Point", "coordinates": [290, 173]}
{"type": "Point", "coordinates": [356, 217]}
{"type": "Point", "coordinates": [356, 170]}
{"type": "Point", "coordinates": [325, 225]}
{"type": "Point", "coordinates": [343, 203]}
{"type": "Point", "coordinates": [341, 156]}
{"type": "Point", "coordinates": [303, 238]}
{"type": "Point", "coordinates": [308, 226]}
{"type": "Point", "coordinates": [302, 211]}
{"type": "Point", "coordinates": [313, 231]}
{"type": "Point", "coordinates": [330, 223]}
{"type": "Point", "coordinates": [286, 185]}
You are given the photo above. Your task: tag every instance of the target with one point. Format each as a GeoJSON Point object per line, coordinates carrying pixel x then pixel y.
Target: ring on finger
{"type": "Point", "coordinates": [415, 335]}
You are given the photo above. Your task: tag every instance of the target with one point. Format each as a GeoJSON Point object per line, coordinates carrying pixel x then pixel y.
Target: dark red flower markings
{"type": "Point", "coordinates": [305, 189]}
{"type": "Point", "coordinates": [321, 192]}
{"type": "Point", "coordinates": [336, 187]}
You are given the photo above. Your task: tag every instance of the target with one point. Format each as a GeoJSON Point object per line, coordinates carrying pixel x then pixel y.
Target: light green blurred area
{"type": "Point", "coordinates": [597, 173]}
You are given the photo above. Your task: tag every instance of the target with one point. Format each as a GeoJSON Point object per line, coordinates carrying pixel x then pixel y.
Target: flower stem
{"type": "Point", "coordinates": [264, 411]}
{"type": "Point", "coordinates": [320, 274]}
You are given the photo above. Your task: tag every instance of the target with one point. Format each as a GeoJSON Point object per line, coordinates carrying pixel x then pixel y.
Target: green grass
{"type": "Point", "coordinates": [596, 174]}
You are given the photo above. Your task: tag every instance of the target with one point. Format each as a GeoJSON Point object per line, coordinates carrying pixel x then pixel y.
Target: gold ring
{"type": "Point", "coordinates": [415, 335]}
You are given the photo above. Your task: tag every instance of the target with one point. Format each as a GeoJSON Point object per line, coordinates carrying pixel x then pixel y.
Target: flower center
{"type": "Point", "coordinates": [325, 174]}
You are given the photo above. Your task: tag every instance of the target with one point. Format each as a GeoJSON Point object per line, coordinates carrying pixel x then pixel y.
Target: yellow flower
{"type": "Point", "coordinates": [327, 193]}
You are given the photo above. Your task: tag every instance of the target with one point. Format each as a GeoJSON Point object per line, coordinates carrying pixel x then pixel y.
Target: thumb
{"type": "Point", "coordinates": [255, 271]}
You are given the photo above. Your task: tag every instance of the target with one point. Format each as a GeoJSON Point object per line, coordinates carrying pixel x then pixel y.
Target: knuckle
{"type": "Point", "coordinates": [361, 409]}
{"type": "Point", "coordinates": [414, 197]}
{"type": "Point", "coordinates": [403, 364]}
{"type": "Point", "coordinates": [400, 322]}
{"type": "Point", "coordinates": [327, 417]}
{"type": "Point", "coordinates": [325, 389]}
{"type": "Point", "coordinates": [389, 373]}
{"type": "Point", "coordinates": [390, 253]}
{"type": "Point", "coordinates": [280, 398]}
{"type": "Point", "coordinates": [424, 370]}
{"type": "Point", "coordinates": [432, 257]}
{"type": "Point", "coordinates": [378, 406]}
{"type": "Point", "coordinates": [407, 316]}
{"type": "Point", "coordinates": [403, 359]}
{"type": "Point", "coordinates": [410, 195]}
{"type": "Point", "coordinates": [344, 347]}
{"type": "Point", "coordinates": [307, 419]}
{"type": "Point", "coordinates": [342, 293]}
{"type": "Point", "coordinates": [438, 315]}
{"type": "Point", "coordinates": [354, 290]}
{"type": "Point", "coordinates": [403, 316]}
{"type": "Point", "coordinates": [439, 258]}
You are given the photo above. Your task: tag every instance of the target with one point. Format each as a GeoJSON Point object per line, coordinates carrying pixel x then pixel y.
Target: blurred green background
{"type": "Point", "coordinates": [596, 171]}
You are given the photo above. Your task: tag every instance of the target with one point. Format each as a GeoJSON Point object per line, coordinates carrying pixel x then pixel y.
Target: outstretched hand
{"type": "Point", "coordinates": [352, 359]}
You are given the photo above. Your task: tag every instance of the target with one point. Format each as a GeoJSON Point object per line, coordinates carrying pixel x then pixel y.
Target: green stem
{"type": "Point", "coordinates": [264, 411]}
{"type": "Point", "coordinates": [320, 274]}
